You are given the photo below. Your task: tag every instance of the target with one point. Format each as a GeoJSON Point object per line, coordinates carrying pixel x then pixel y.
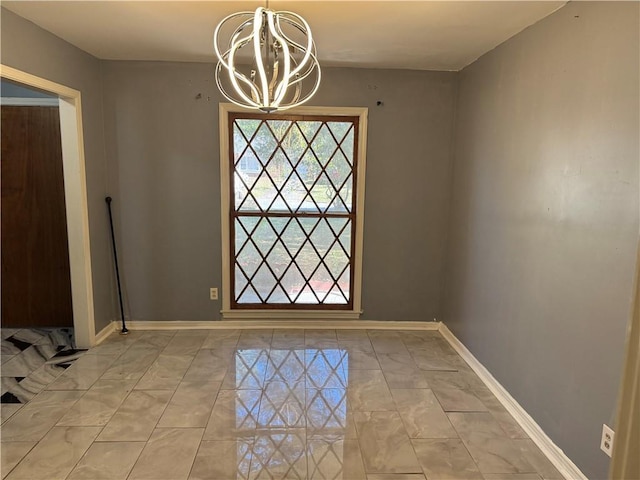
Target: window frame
{"type": "Point", "coordinates": [225, 210]}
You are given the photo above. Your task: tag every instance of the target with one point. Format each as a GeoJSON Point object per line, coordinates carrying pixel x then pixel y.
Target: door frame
{"type": "Point", "coordinates": [624, 463]}
{"type": "Point", "coordinates": [76, 205]}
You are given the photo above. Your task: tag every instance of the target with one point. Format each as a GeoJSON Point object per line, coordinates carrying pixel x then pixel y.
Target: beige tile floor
{"type": "Point", "coordinates": [268, 404]}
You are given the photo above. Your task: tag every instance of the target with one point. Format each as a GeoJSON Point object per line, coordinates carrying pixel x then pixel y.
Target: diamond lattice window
{"type": "Point", "coordinates": [293, 210]}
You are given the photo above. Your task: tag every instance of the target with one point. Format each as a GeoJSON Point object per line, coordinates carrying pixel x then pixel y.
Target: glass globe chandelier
{"type": "Point", "coordinates": [269, 61]}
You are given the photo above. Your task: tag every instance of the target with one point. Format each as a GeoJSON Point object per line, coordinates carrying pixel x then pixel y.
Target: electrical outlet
{"type": "Point", "coordinates": [213, 293]}
{"type": "Point", "coordinates": [606, 444]}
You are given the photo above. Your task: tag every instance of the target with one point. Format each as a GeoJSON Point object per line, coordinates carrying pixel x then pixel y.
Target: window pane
{"type": "Point", "coordinates": [293, 189]}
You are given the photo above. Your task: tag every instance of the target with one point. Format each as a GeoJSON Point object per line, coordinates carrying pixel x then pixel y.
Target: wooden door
{"type": "Point", "coordinates": [36, 282]}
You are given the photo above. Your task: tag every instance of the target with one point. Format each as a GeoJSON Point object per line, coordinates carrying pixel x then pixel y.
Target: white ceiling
{"type": "Point", "coordinates": [420, 35]}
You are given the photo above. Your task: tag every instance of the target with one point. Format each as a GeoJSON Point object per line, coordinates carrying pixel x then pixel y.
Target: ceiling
{"type": "Point", "coordinates": [419, 35]}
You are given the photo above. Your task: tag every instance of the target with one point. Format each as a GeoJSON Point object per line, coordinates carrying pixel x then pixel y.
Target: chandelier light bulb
{"type": "Point", "coordinates": [269, 60]}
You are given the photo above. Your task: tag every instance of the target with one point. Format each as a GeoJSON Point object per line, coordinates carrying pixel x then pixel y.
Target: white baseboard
{"type": "Point", "coordinates": [290, 324]}
{"type": "Point", "coordinates": [105, 332]}
{"type": "Point", "coordinates": [555, 455]}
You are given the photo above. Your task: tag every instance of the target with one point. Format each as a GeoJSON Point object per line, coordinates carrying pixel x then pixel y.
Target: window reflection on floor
{"type": "Point", "coordinates": [290, 410]}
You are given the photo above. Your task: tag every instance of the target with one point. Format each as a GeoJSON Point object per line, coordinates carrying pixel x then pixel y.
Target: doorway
{"type": "Point", "coordinates": [36, 281]}
{"type": "Point", "coordinates": [76, 209]}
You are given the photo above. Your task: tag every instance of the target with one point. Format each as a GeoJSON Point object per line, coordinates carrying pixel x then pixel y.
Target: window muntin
{"type": "Point", "coordinates": [293, 210]}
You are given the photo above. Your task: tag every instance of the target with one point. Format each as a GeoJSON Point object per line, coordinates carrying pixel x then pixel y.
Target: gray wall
{"type": "Point", "coordinates": [162, 143]}
{"type": "Point", "coordinates": [31, 49]}
{"type": "Point", "coordinates": [10, 89]}
{"type": "Point", "coordinates": [544, 218]}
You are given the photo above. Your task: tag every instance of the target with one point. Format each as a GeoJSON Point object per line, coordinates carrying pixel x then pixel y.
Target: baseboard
{"type": "Point", "coordinates": [104, 333]}
{"type": "Point", "coordinates": [290, 324]}
{"type": "Point", "coordinates": [555, 455]}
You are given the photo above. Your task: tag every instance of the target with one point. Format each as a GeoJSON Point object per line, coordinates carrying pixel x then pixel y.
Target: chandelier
{"type": "Point", "coordinates": [269, 62]}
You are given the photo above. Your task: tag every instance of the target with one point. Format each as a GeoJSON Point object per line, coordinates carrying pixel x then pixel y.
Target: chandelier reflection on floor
{"type": "Point", "coordinates": [269, 62]}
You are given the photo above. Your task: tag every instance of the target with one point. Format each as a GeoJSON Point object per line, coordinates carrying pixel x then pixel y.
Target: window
{"type": "Point", "coordinates": [293, 209]}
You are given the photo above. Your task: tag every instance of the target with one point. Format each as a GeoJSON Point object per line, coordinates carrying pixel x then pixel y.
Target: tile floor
{"type": "Point", "coordinates": [268, 404]}
{"type": "Point", "coordinates": [31, 359]}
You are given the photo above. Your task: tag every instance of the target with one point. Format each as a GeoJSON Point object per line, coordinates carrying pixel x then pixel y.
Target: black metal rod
{"type": "Point", "coordinates": [124, 330]}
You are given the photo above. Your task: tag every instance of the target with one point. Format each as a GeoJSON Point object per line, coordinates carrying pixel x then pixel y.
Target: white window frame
{"type": "Point", "coordinates": [281, 314]}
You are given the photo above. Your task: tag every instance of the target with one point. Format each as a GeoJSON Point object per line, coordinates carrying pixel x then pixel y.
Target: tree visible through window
{"type": "Point", "coordinates": [293, 210]}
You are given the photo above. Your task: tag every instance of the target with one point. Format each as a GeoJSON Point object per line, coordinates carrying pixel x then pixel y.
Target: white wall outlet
{"type": "Point", "coordinates": [213, 293]}
{"type": "Point", "coordinates": [606, 444]}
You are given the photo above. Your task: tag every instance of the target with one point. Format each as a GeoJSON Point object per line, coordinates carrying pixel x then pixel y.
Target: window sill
{"type": "Point", "coordinates": [290, 315]}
